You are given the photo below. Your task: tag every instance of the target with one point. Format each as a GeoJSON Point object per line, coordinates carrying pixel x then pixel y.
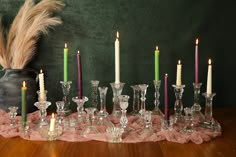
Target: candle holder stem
{"type": "Point", "coordinates": [196, 108]}
{"type": "Point", "coordinates": [143, 89]}
{"type": "Point", "coordinates": [178, 107]}
{"type": "Point", "coordinates": [66, 95]}
{"type": "Point", "coordinates": [156, 110]}
{"type": "Point", "coordinates": [117, 90]}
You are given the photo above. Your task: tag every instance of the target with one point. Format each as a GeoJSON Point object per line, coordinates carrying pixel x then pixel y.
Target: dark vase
{"type": "Point", "coordinates": [10, 88]}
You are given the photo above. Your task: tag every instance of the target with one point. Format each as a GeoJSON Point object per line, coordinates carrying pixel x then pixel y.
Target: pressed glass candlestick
{"type": "Point", "coordinates": [147, 117]}
{"type": "Point", "coordinates": [94, 93]}
{"type": "Point", "coordinates": [66, 95]}
{"type": "Point", "coordinates": [178, 107]}
{"type": "Point", "coordinates": [42, 106]}
{"type": "Point", "coordinates": [80, 106]}
{"type": "Point", "coordinates": [117, 90]}
{"type": "Point", "coordinates": [136, 100]}
{"type": "Point", "coordinates": [143, 89]}
{"type": "Point", "coordinates": [60, 111]}
{"type": "Point", "coordinates": [12, 114]}
{"type": "Point", "coordinates": [102, 109]}
{"type": "Point", "coordinates": [189, 126]}
{"type": "Point", "coordinates": [91, 128]}
{"type": "Point", "coordinates": [123, 105]}
{"type": "Point", "coordinates": [156, 110]}
{"type": "Point", "coordinates": [196, 108]}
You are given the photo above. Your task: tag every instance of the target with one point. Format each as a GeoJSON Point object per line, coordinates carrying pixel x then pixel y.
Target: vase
{"type": "Point", "coordinates": [10, 88]}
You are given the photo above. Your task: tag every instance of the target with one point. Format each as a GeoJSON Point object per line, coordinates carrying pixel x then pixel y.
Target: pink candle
{"type": "Point", "coordinates": [166, 97]}
{"type": "Point", "coordinates": [196, 61]}
{"type": "Point", "coordinates": [80, 87]}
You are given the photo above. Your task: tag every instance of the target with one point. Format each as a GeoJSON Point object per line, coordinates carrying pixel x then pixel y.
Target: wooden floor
{"type": "Point", "coordinates": [224, 146]}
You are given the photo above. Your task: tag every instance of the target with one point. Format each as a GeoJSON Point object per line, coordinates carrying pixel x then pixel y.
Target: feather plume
{"type": "Point", "coordinates": [31, 21]}
{"type": "Point", "coordinates": [2, 47]}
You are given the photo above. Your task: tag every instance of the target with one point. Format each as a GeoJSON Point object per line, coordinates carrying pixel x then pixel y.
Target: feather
{"type": "Point", "coordinates": [2, 48]}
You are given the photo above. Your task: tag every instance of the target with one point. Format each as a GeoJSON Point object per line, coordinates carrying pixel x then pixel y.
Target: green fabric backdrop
{"type": "Point", "coordinates": [90, 26]}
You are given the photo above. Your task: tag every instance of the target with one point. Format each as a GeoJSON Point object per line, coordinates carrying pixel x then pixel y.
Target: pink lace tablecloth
{"type": "Point", "coordinates": [199, 136]}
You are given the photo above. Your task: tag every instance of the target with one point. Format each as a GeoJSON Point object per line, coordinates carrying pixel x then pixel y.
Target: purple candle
{"type": "Point", "coordinates": [166, 97]}
{"type": "Point", "coordinates": [80, 88]}
{"type": "Point", "coordinates": [196, 62]}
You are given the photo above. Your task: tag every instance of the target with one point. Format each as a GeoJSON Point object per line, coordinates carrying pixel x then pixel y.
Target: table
{"type": "Point", "coordinates": [223, 146]}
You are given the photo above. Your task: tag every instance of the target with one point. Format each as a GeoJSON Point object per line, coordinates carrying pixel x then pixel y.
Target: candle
{"type": "Point", "coordinates": [196, 62]}
{"type": "Point", "coordinates": [178, 75]}
{"type": "Point", "coordinates": [23, 102]}
{"type": "Point", "coordinates": [117, 59]}
{"type": "Point", "coordinates": [65, 63]}
{"type": "Point", "coordinates": [166, 96]}
{"type": "Point", "coordinates": [157, 64]}
{"type": "Point", "coordinates": [52, 123]}
{"type": "Point", "coordinates": [209, 78]}
{"type": "Point", "coordinates": [80, 88]}
{"type": "Point", "coordinates": [41, 86]}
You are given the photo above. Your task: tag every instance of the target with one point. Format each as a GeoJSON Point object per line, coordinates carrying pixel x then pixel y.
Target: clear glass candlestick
{"type": "Point", "coordinates": [42, 96]}
{"type": "Point", "coordinates": [196, 108]}
{"type": "Point", "coordinates": [66, 95]}
{"type": "Point", "coordinates": [60, 111]}
{"type": "Point", "coordinates": [178, 107]}
{"type": "Point", "coordinates": [136, 100]}
{"type": "Point", "coordinates": [102, 110]}
{"type": "Point", "coordinates": [91, 128]}
{"type": "Point", "coordinates": [156, 110]}
{"type": "Point", "coordinates": [147, 130]}
{"type": "Point", "coordinates": [94, 93]}
{"type": "Point", "coordinates": [209, 121]}
{"type": "Point", "coordinates": [42, 106]}
{"type": "Point", "coordinates": [143, 89]}
{"type": "Point", "coordinates": [117, 90]}
{"type": "Point", "coordinates": [123, 105]}
{"type": "Point", "coordinates": [80, 106]}
{"type": "Point", "coordinates": [189, 126]}
{"type": "Point", "coordinates": [12, 114]}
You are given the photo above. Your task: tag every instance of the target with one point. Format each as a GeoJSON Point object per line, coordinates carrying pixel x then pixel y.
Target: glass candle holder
{"type": "Point", "coordinates": [80, 107]}
{"type": "Point", "coordinates": [189, 126]}
{"type": "Point", "coordinates": [66, 95]}
{"type": "Point", "coordinates": [42, 106]}
{"type": "Point", "coordinates": [123, 105]}
{"type": "Point", "coordinates": [136, 100]}
{"type": "Point", "coordinates": [156, 110]}
{"type": "Point", "coordinates": [12, 114]}
{"type": "Point", "coordinates": [60, 111]}
{"type": "Point", "coordinates": [178, 107]}
{"type": "Point", "coordinates": [94, 93]}
{"type": "Point", "coordinates": [143, 89]}
{"type": "Point", "coordinates": [196, 108]}
{"type": "Point", "coordinates": [117, 90]}
{"type": "Point", "coordinates": [102, 110]}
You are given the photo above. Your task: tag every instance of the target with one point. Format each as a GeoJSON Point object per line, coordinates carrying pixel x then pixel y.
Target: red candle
{"type": "Point", "coordinates": [166, 97]}
{"type": "Point", "coordinates": [196, 61]}
{"type": "Point", "coordinates": [80, 88]}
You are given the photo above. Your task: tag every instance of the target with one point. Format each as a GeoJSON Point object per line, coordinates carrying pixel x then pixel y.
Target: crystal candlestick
{"type": "Point", "coordinates": [60, 111]}
{"type": "Point", "coordinates": [178, 107]}
{"type": "Point", "coordinates": [91, 129]}
{"type": "Point", "coordinates": [143, 89]}
{"type": "Point", "coordinates": [123, 105]}
{"type": "Point", "coordinates": [196, 108]}
{"type": "Point", "coordinates": [42, 106]}
{"type": "Point", "coordinates": [117, 90]}
{"type": "Point", "coordinates": [102, 110]}
{"type": "Point", "coordinates": [156, 110]}
{"type": "Point", "coordinates": [80, 106]}
{"type": "Point", "coordinates": [94, 93]}
{"type": "Point", "coordinates": [147, 130]}
{"type": "Point", "coordinates": [136, 100]}
{"type": "Point", "coordinates": [66, 95]}
{"type": "Point", "coordinates": [189, 126]}
{"type": "Point", "coordinates": [12, 114]}
{"type": "Point", "coordinates": [209, 120]}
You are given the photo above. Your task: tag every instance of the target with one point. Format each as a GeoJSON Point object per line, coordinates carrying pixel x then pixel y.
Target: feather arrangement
{"type": "Point", "coordinates": [32, 20]}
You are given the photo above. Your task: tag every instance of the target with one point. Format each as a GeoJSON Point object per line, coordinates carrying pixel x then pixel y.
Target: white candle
{"type": "Point", "coordinates": [117, 59]}
{"type": "Point", "coordinates": [209, 78]}
{"type": "Point", "coordinates": [178, 74]}
{"type": "Point", "coordinates": [52, 123]}
{"type": "Point", "coordinates": [41, 86]}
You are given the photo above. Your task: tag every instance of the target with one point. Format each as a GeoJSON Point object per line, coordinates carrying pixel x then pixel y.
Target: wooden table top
{"type": "Point", "coordinates": [223, 146]}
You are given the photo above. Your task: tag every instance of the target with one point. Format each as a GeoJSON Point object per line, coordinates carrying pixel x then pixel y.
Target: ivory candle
{"type": "Point", "coordinates": [117, 59]}
{"type": "Point", "coordinates": [209, 78]}
{"type": "Point", "coordinates": [178, 74]}
{"type": "Point", "coordinates": [41, 85]}
{"type": "Point", "coordinates": [52, 123]}
{"type": "Point", "coordinates": [23, 102]}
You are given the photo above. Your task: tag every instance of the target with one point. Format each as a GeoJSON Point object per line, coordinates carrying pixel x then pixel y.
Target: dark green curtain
{"type": "Point", "coordinates": [90, 26]}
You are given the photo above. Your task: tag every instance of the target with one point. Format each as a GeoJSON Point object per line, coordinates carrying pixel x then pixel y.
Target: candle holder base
{"type": "Point", "coordinates": [24, 128]}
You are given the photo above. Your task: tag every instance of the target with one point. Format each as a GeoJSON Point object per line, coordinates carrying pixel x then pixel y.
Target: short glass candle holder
{"type": "Point", "coordinates": [12, 114]}
{"type": "Point", "coordinates": [66, 95]}
{"type": "Point", "coordinates": [196, 108]}
{"type": "Point", "coordinates": [24, 127]}
{"type": "Point", "coordinates": [51, 135]}
{"type": "Point", "coordinates": [42, 106]}
{"type": "Point", "coordinates": [189, 126]}
{"type": "Point", "coordinates": [114, 134]}
{"type": "Point", "coordinates": [60, 111]}
{"type": "Point", "coordinates": [167, 124]}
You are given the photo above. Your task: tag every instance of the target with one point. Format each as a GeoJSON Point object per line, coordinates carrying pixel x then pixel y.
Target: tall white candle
{"type": "Point", "coordinates": [209, 78]}
{"type": "Point", "coordinates": [41, 85]}
{"type": "Point", "coordinates": [178, 74]}
{"type": "Point", "coordinates": [117, 59]}
{"type": "Point", "coordinates": [52, 123]}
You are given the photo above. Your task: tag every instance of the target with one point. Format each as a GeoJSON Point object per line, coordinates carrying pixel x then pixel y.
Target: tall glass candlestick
{"type": "Point", "coordinates": [196, 108]}
{"type": "Point", "coordinates": [143, 89]}
{"type": "Point", "coordinates": [66, 95]}
{"type": "Point", "coordinates": [117, 90]}
{"type": "Point", "coordinates": [156, 110]}
{"type": "Point", "coordinates": [136, 100]}
{"type": "Point", "coordinates": [94, 93]}
{"type": "Point", "coordinates": [178, 107]}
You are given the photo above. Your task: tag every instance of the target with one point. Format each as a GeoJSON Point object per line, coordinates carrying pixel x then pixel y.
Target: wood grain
{"type": "Point", "coordinates": [223, 146]}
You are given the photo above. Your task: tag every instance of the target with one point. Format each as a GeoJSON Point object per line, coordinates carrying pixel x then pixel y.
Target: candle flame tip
{"type": "Point", "coordinates": [197, 41]}
{"type": "Point", "coordinates": [117, 34]}
{"type": "Point", "coordinates": [78, 51]}
{"type": "Point", "coordinates": [179, 61]}
{"type": "Point", "coordinates": [41, 71]}
{"type": "Point", "coordinates": [166, 74]}
{"type": "Point", "coordinates": [209, 61]}
{"type": "Point", "coordinates": [24, 84]}
{"type": "Point", "coordinates": [156, 47]}
{"type": "Point", "coordinates": [65, 45]}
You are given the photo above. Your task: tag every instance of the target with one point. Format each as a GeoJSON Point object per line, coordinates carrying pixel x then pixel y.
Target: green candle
{"type": "Point", "coordinates": [65, 63]}
{"type": "Point", "coordinates": [23, 103]}
{"type": "Point", "coordinates": [157, 64]}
